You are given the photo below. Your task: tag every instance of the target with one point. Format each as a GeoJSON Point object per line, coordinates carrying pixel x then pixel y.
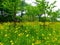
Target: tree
{"type": "Point", "coordinates": [44, 7]}
{"type": "Point", "coordinates": [11, 7]}
{"type": "Point", "coordinates": [31, 12]}
{"type": "Point", "coordinates": [1, 7]}
{"type": "Point", "coordinates": [55, 15]}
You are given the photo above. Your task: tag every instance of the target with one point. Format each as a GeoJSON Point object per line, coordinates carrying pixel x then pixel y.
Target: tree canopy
{"type": "Point", "coordinates": [11, 7]}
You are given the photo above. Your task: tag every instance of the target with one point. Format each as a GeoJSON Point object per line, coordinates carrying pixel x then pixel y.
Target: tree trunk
{"type": "Point", "coordinates": [14, 15]}
{"type": "Point", "coordinates": [39, 17]}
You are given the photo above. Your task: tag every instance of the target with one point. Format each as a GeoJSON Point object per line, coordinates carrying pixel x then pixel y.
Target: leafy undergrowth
{"type": "Point", "coordinates": [30, 33]}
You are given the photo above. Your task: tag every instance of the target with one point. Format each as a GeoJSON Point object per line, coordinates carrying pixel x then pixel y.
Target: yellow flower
{"type": "Point", "coordinates": [5, 35]}
{"type": "Point", "coordinates": [12, 43]}
{"type": "Point", "coordinates": [27, 35]}
{"type": "Point", "coordinates": [1, 43]}
{"type": "Point", "coordinates": [38, 42]}
{"type": "Point", "coordinates": [26, 30]}
{"type": "Point", "coordinates": [20, 34]}
{"type": "Point", "coordinates": [32, 43]}
{"type": "Point", "coordinates": [43, 35]}
{"type": "Point", "coordinates": [1, 26]}
{"type": "Point", "coordinates": [54, 31]}
{"type": "Point", "coordinates": [49, 34]}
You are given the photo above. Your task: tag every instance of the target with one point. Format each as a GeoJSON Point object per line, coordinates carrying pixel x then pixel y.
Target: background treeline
{"type": "Point", "coordinates": [19, 10]}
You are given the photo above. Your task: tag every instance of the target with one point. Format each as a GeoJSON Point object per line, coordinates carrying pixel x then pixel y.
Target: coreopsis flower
{"type": "Point", "coordinates": [12, 43]}
{"type": "Point", "coordinates": [27, 35]}
{"type": "Point", "coordinates": [5, 35]}
{"type": "Point", "coordinates": [33, 44]}
{"type": "Point", "coordinates": [11, 40]}
{"type": "Point", "coordinates": [49, 34]}
{"type": "Point", "coordinates": [1, 26]}
{"type": "Point", "coordinates": [20, 34]}
{"type": "Point", "coordinates": [43, 35]}
{"type": "Point", "coordinates": [38, 42]}
{"type": "Point", "coordinates": [1, 43]}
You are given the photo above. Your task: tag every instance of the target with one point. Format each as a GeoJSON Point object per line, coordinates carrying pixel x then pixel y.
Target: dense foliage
{"type": "Point", "coordinates": [10, 8]}
{"type": "Point", "coordinates": [30, 33]}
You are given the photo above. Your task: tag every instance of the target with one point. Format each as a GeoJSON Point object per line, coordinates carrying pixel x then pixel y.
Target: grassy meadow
{"type": "Point", "coordinates": [30, 33]}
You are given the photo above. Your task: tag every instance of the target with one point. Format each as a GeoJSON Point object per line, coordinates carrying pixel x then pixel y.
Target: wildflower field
{"type": "Point", "coordinates": [30, 33]}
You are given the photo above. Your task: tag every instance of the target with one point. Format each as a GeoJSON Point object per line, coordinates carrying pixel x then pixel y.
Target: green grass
{"type": "Point", "coordinates": [30, 33]}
